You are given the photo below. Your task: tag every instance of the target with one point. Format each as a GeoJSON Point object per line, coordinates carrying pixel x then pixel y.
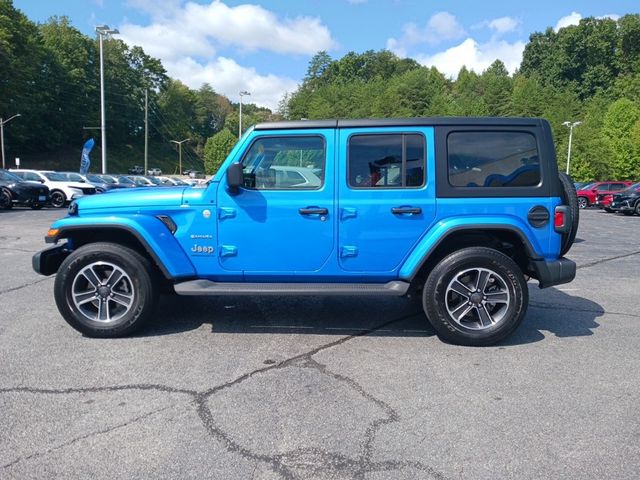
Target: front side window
{"type": "Point", "coordinates": [493, 159]}
{"type": "Point", "coordinates": [386, 161]}
{"type": "Point", "coordinates": [285, 163]}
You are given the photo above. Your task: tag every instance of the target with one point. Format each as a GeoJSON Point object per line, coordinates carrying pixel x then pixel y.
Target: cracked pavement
{"type": "Point", "coordinates": [324, 388]}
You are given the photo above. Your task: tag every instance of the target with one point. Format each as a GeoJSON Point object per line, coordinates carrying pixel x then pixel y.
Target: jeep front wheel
{"type": "Point", "coordinates": [475, 296]}
{"type": "Point", "coordinates": [105, 290]}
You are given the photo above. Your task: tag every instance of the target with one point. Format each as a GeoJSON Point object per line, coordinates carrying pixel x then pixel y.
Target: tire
{"type": "Point", "coordinates": [569, 198]}
{"type": "Point", "coordinates": [502, 280]}
{"type": "Point", "coordinates": [98, 309]}
{"type": "Point", "coordinates": [6, 199]}
{"type": "Point", "coordinates": [628, 213]}
{"type": "Point", "coordinates": [58, 199]}
{"type": "Point", "coordinates": [637, 209]}
{"type": "Point", "coordinates": [583, 202]}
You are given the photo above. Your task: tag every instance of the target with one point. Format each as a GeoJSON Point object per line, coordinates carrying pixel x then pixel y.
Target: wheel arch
{"type": "Point", "coordinates": [504, 238]}
{"type": "Point", "coordinates": [162, 250]}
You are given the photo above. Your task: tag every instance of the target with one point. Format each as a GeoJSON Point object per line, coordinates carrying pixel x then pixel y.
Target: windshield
{"type": "Point", "coordinates": [177, 181]}
{"type": "Point", "coordinates": [96, 179]}
{"type": "Point", "coordinates": [4, 175]}
{"type": "Point", "coordinates": [588, 186]}
{"type": "Point", "coordinates": [140, 181]}
{"type": "Point", "coordinates": [54, 177]}
{"type": "Point", "coordinates": [74, 177]}
{"type": "Point", "coordinates": [154, 180]}
{"type": "Point", "coordinates": [632, 188]}
{"type": "Point", "coordinates": [126, 181]}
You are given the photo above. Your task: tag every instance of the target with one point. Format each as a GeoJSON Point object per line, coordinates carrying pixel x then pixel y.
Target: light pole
{"type": "Point", "coordinates": [242, 94]}
{"type": "Point", "coordinates": [179, 143]}
{"type": "Point", "coordinates": [103, 31]}
{"type": "Point", "coordinates": [2, 122]}
{"type": "Point", "coordinates": [570, 125]}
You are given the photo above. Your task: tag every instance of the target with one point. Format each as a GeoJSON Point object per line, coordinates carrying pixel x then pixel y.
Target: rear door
{"type": "Point", "coordinates": [386, 195]}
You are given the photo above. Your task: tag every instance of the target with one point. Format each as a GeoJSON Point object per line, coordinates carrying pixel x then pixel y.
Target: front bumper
{"type": "Point", "coordinates": [47, 262]}
{"type": "Point", "coordinates": [555, 272]}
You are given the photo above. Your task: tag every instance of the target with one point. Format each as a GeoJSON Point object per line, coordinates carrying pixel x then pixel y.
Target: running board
{"type": "Point", "coordinates": [207, 287]}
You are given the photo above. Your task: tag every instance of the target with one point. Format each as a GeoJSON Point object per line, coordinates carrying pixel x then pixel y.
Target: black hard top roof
{"type": "Point", "coordinates": [400, 122]}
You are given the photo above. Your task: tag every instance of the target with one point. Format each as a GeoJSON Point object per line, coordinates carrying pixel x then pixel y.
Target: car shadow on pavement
{"type": "Point", "coordinates": [554, 311]}
{"type": "Point", "coordinates": [290, 315]}
{"type": "Point", "coordinates": [551, 311]}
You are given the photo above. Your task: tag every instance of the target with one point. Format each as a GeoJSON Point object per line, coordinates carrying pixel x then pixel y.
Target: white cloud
{"type": "Point", "coordinates": [612, 16]}
{"type": "Point", "coordinates": [228, 77]}
{"type": "Point", "coordinates": [475, 56]}
{"type": "Point", "coordinates": [188, 37]}
{"type": "Point", "coordinates": [440, 27]}
{"type": "Point", "coordinates": [195, 27]}
{"type": "Point", "coordinates": [503, 24]}
{"type": "Point", "coordinates": [572, 19]}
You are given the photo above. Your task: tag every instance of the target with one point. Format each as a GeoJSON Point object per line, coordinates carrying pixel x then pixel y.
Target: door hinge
{"type": "Point", "coordinates": [348, 251]}
{"type": "Point", "coordinates": [346, 213]}
{"type": "Point", "coordinates": [228, 250]}
{"type": "Point", "coordinates": [226, 212]}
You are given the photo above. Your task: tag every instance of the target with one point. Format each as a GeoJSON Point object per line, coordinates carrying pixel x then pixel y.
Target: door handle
{"type": "Point", "coordinates": [404, 210]}
{"type": "Point", "coordinates": [313, 211]}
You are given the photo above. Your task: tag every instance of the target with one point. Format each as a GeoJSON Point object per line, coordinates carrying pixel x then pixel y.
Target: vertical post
{"type": "Point", "coordinates": [569, 150]}
{"type": "Point", "coordinates": [240, 119]}
{"type": "Point", "coordinates": [146, 130]}
{"type": "Point", "coordinates": [2, 139]}
{"type": "Point", "coordinates": [180, 158]}
{"type": "Point", "coordinates": [102, 115]}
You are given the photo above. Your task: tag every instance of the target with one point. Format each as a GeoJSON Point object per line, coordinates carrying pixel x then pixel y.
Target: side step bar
{"type": "Point", "coordinates": [207, 287]}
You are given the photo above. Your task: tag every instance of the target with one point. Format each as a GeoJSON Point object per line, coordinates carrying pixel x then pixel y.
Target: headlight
{"type": "Point", "coordinates": [73, 208]}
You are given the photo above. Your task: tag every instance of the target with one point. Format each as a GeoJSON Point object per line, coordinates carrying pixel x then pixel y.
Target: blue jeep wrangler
{"type": "Point", "coordinates": [458, 212]}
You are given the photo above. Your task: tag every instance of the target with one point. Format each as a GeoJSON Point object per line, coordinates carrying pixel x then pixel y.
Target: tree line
{"type": "Point", "coordinates": [588, 72]}
{"type": "Point", "coordinates": [49, 73]}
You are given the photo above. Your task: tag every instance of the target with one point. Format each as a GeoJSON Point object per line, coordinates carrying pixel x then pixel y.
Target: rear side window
{"type": "Point", "coordinates": [386, 161]}
{"type": "Point", "coordinates": [493, 159]}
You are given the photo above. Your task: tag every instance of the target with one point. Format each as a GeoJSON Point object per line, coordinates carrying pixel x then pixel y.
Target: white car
{"type": "Point", "coordinates": [62, 190]}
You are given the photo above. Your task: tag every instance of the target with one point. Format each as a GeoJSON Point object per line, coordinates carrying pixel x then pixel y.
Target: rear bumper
{"type": "Point", "coordinates": [555, 272]}
{"type": "Point", "coordinates": [48, 261]}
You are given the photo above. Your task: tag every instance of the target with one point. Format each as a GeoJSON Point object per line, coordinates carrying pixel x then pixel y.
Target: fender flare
{"type": "Point", "coordinates": [437, 235]}
{"type": "Point", "coordinates": [161, 246]}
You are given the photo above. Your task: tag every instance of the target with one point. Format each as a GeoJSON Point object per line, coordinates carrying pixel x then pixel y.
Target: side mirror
{"type": "Point", "coordinates": [235, 178]}
{"type": "Point", "coordinates": [41, 181]}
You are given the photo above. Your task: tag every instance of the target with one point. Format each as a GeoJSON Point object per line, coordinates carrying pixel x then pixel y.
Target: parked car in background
{"type": "Point", "coordinates": [141, 181]}
{"type": "Point", "coordinates": [120, 180]}
{"type": "Point", "coordinates": [154, 171]}
{"type": "Point", "coordinates": [627, 201]}
{"type": "Point", "coordinates": [588, 194]}
{"type": "Point", "coordinates": [172, 181]}
{"type": "Point", "coordinates": [136, 170]}
{"type": "Point", "coordinates": [579, 185]}
{"type": "Point", "coordinates": [96, 181]}
{"type": "Point", "coordinates": [61, 190]}
{"type": "Point", "coordinates": [15, 191]}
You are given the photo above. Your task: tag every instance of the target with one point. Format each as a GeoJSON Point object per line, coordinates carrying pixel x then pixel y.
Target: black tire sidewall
{"type": "Point", "coordinates": [7, 199]}
{"type": "Point", "coordinates": [62, 195]}
{"type": "Point", "coordinates": [570, 198]}
{"type": "Point", "coordinates": [434, 295]}
{"type": "Point", "coordinates": [132, 263]}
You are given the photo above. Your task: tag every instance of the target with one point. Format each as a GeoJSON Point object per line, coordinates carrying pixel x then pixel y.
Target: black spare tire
{"type": "Point", "coordinates": [569, 198]}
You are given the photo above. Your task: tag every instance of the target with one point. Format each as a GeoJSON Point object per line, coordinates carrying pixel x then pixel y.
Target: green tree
{"type": "Point", "coordinates": [216, 150]}
{"type": "Point", "coordinates": [619, 123]}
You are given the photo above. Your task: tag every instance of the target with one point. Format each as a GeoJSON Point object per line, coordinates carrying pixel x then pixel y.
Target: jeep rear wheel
{"type": "Point", "coordinates": [475, 296]}
{"type": "Point", "coordinates": [569, 198]}
{"type": "Point", "coordinates": [105, 290]}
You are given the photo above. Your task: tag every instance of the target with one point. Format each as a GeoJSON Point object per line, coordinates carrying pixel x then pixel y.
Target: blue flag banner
{"type": "Point", "coordinates": [85, 161]}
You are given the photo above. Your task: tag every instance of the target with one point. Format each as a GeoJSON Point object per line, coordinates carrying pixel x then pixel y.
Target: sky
{"type": "Point", "coordinates": [264, 47]}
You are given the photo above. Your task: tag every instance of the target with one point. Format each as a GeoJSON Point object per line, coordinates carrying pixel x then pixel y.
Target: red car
{"type": "Point", "coordinates": [588, 195]}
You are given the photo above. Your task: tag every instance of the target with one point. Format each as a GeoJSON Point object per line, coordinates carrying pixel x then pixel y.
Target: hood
{"type": "Point", "coordinates": [132, 198]}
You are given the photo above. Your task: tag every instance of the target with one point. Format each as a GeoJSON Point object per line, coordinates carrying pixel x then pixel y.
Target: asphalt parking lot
{"type": "Point", "coordinates": [324, 388]}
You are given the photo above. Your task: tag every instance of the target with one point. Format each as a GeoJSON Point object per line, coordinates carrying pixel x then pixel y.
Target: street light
{"type": "Point", "coordinates": [103, 31]}
{"type": "Point", "coordinates": [2, 122]}
{"type": "Point", "coordinates": [242, 94]}
{"type": "Point", "coordinates": [179, 143]}
{"type": "Point", "coordinates": [570, 125]}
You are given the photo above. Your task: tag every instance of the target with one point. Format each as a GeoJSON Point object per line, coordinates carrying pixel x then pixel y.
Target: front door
{"type": "Point", "coordinates": [386, 195]}
{"type": "Point", "coordinates": [282, 220]}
